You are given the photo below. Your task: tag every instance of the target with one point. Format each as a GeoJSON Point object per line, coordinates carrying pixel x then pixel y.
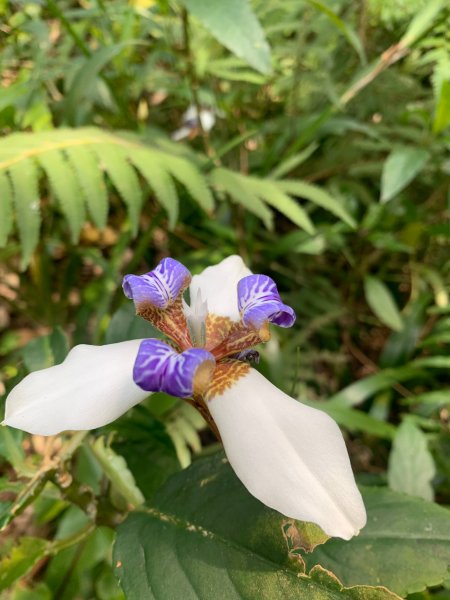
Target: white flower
{"type": "Point", "coordinates": [288, 455]}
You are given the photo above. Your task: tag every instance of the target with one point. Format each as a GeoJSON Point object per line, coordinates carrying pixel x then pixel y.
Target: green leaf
{"type": "Point", "coordinates": [6, 209]}
{"type": "Point", "coordinates": [35, 591]}
{"type": "Point", "coordinates": [24, 177]}
{"type": "Point", "coordinates": [355, 420]}
{"type": "Point", "coordinates": [182, 425]}
{"type": "Point", "coordinates": [21, 559]}
{"type": "Point", "coordinates": [400, 168]}
{"type": "Point", "coordinates": [233, 69]}
{"type": "Point", "coordinates": [85, 79]}
{"type": "Point", "coordinates": [293, 161]}
{"type": "Point", "coordinates": [65, 187]}
{"type": "Point", "coordinates": [59, 344]}
{"type": "Point", "coordinates": [154, 171]}
{"type": "Point", "coordinates": [29, 492]}
{"type": "Point", "coordinates": [318, 196]}
{"type": "Point", "coordinates": [359, 391]}
{"type": "Point", "coordinates": [434, 399]}
{"type": "Point", "coordinates": [191, 178]}
{"type": "Point", "coordinates": [114, 161]}
{"type": "Point", "coordinates": [74, 163]}
{"type": "Point", "coordinates": [401, 345]}
{"type": "Point", "coordinates": [404, 546]}
{"type": "Point", "coordinates": [442, 116]}
{"type": "Point", "coordinates": [380, 300]}
{"type": "Point", "coordinates": [220, 542]}
{"type": "Point", "coordinates": [350, 35]}
{"type": "Point", "coordinates": [116, 469]}
{"type": "Point", "coordinates": [147, 448]}
{"type": "Point", "coordinates": [422, 21]}
{"type": "Point", "coordinates": [79, 550]}
{"type": "Point", "coordinates": [125, 325]}
{"type": "Point", "coordinates": [241, 190]}
{"type": "Point", "coordinates": [37, 354]}
{"type": "Point", "coordinates": [434, 362]}
{"type": "Point", "coordinates": [273, 195]}
{"type": "Point", "coordinates": [411, 466]}
{"type": "Point", "coordinates": [46, 350]}
{"type": "Point", "coordinates": [234, 24]}
{"type": "Point", "coordinates": [11, 448]}
{"type": "Point", "coordinates": [90, 179]}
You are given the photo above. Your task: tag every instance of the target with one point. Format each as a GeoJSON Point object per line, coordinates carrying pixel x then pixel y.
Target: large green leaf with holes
{"type": "Point", "coordinates": [204, 536]}
{"type": "Point", "coordinates": [405, 545]}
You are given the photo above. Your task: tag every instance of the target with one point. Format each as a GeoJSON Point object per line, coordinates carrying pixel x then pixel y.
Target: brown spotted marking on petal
{"type": "Point", "coordinates": [226, 374]}
{"type": "Point", "coordinates": [170, 320]}
{"type": "Point", "coordinates": [217, 329]}
{"type": "Point", "coordinates": [239, 338]}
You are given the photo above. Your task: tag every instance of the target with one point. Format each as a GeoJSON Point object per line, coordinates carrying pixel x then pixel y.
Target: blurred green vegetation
{"type": "Point", "coordinates": [327, 167]}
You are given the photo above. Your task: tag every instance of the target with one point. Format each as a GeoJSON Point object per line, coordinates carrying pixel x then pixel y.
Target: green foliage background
{"type": "Point", "coordinates": [328, 169]}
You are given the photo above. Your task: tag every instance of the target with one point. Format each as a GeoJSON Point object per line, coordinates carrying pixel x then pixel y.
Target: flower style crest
{"type": "Point", "coordinates": [288, 455]}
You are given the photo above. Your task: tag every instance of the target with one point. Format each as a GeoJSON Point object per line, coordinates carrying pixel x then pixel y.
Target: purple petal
{"type": "Point", "coordinates": [159, 287]}
{"type": "Point", "coordinates": [159, 368]}
{"type": "Point", "coordinates": [259, 301]}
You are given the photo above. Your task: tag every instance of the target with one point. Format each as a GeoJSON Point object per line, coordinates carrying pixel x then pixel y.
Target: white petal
{"type": "Point", "coordinates": [290, 456]}
{"type": "Point", "coordinates": [218, 285]}
{"type": "Point", "coordinates": [92, 387]}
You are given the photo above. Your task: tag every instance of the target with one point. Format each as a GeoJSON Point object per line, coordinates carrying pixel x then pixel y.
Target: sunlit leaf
{"type": "Point", "coordinates": [318, 196]}
{"type": "Point", "coordinates": [21, 558]}
{"type": "Point", "coordinates": [422, 21]}
{"type": "Point", "coordinates": [381, 301]}
{"type": "Point", "coordinates": [116, 469]}
{"type": "Point", "coordinates": [400, 168]}
{"type": "Point", "coordinates": [411, 466]}
{"type": "Point", "coordinates": [235, 25]}
{"type": "Point", "coordinates": [86, 77]}
{"type": "Point", "coordinates": [442, 117]}
{"type": "Point", "coordinates": [350, 35]}
{"type": "Point", "coordinates": [356, 420]}
{"type": "Point", "coordinates": [6, 208]}
{"type": "Point", "coordinates": [360, 390]}
{"type": "Point", "coordinates": [24, 178]}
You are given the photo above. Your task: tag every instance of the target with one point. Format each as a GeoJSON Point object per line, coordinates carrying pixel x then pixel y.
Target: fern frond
{"type": "Point", "coordinates": [154, 172]}
{"type": "Point", "coordinates": [318, 196]}
{"type": "Point", "coordinates": [6, 209]}
{"type": "Point", "coordinates": [238, 188]}
{"type": "Point", "coordinates": [90, 178]}
{"type": "Point", "coordinates": [192, 180]}
{"type": "Point", "coordinates": [113, 160]}
{"type": "Point", "coordinates": [269, 191]}
{"type": "Point", "coordinates": [24, 178]}
{"type": "Point", "coordinates": [182, 425]}
{"type": "Point", "coordinates": [65, 187]}
{"type": "Point", "coordinates": [74, 163]}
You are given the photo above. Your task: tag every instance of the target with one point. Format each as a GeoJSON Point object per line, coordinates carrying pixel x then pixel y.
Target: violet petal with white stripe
{"type": "Point", "coordinates": [259, 301]}
{"type": "Point", "coordinates": [159, 287]}
{"type": "Point", "coordinates": [159, 368]}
